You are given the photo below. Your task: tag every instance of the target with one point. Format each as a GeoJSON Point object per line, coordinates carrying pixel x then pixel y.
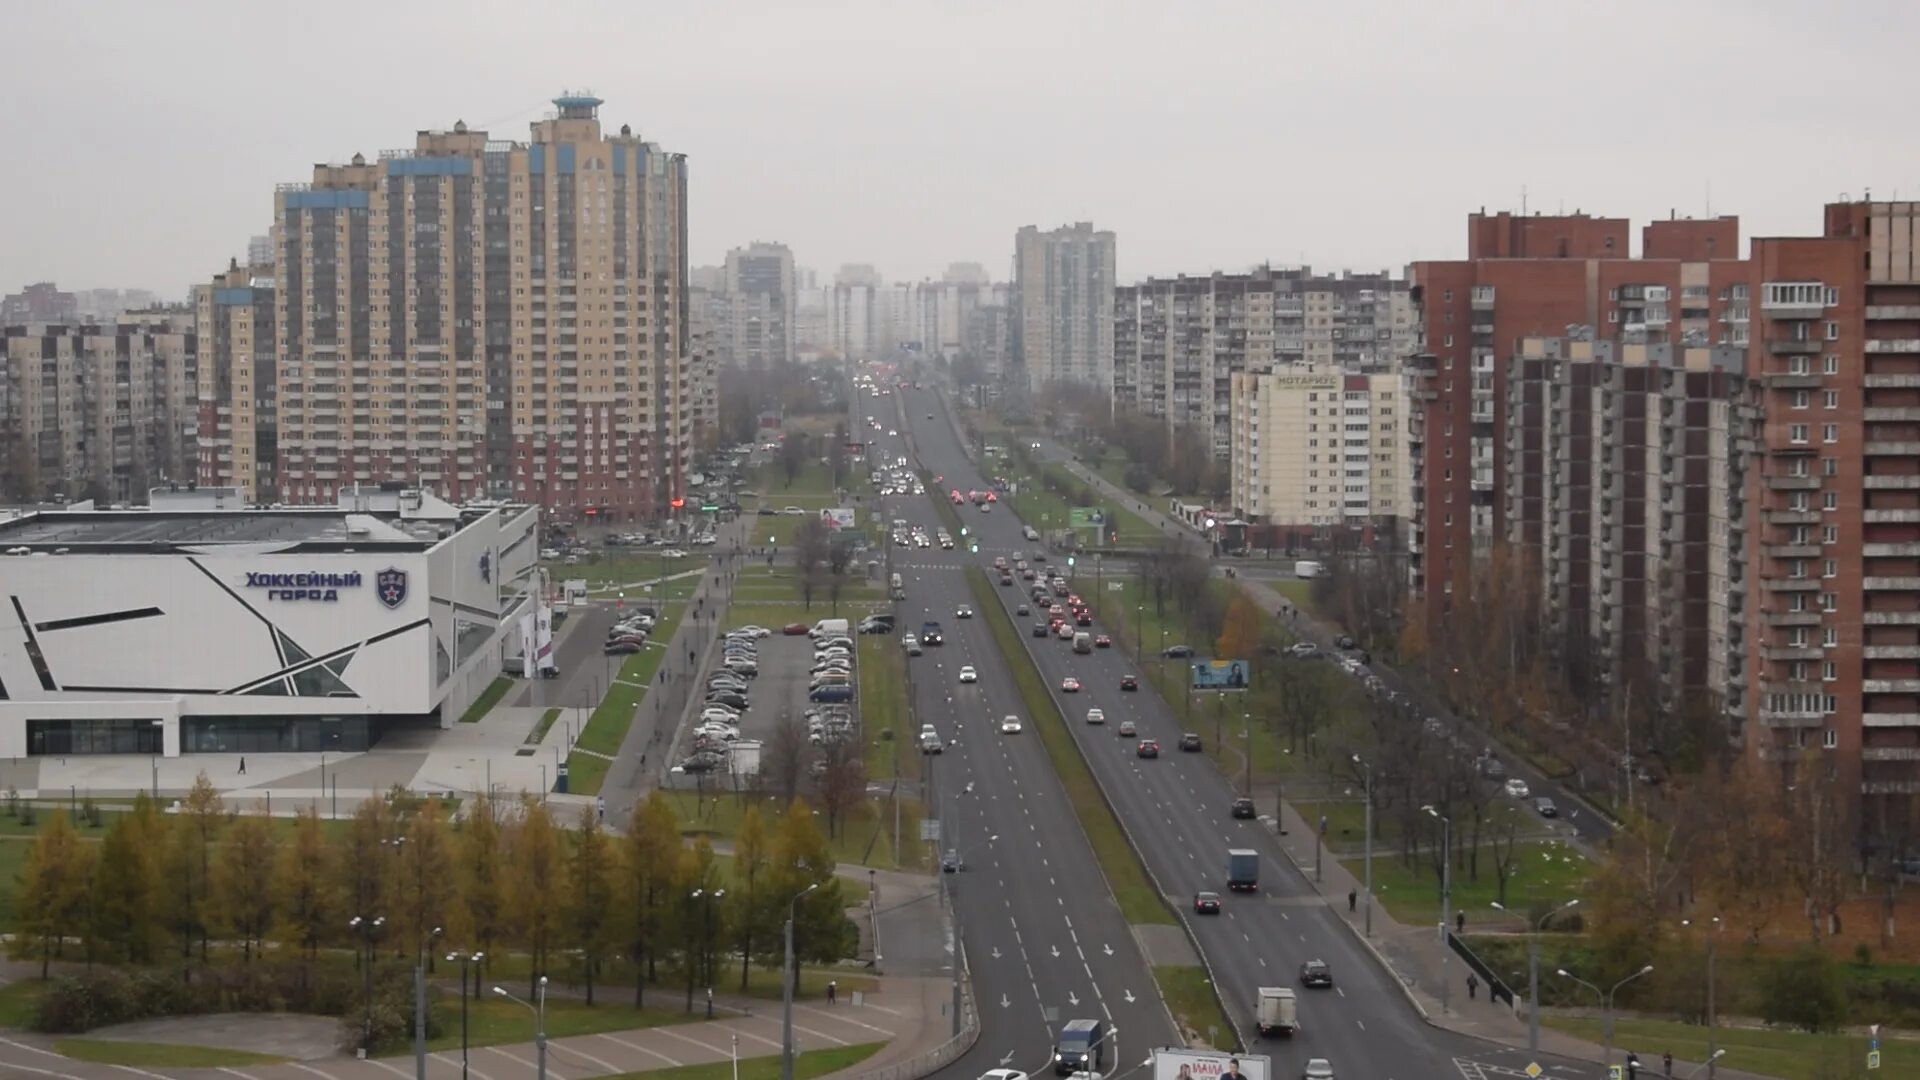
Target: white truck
{"type": "Point", "coordinates": [1307, 568]}
{"type": "Point", "coordinates": [1278, 1012]}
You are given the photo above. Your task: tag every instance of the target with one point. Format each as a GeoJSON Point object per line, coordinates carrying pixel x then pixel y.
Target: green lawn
{"type": "Point", "coordinates": [1790, 1055]}
{"type": "Point", "coordinates": [762, 584]}
{"type": "Point", "coordinates": [813, 479]}
{"type": "Point", "coordinates": [806, 1065]}
{"type": "Point", "coordinates": [488, 698]}
{"type": "Point", "coordinates": [864, 838]}
{"type": "Point", "coordinates": [884, 708]}
{"type": "Point", "coordinates": [1346, 813]}
{"type": "Point", "coordinates": [540, 729]}
{"type": "Point", "coordinates": [607, 728]}
{"type": "Point", "coordinates": [1121, 865]}
{"type": "Point", "coordinates": [159, 1055]}
{"type": "Point", "coordinates": [1546, 873]}
{"type": "Point", "coordinates": [1298, 593]}
{"type": "Point", "coordinates": [614, 568]}
{"type": "Point", "coordinates": [493, 1021]}
{"type": "Point", "coordinates": [19, 1000]}
{"type": "Point", "coordinates": [1191, 998]}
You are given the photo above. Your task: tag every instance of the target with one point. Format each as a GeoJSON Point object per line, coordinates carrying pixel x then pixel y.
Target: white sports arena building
{"type": "Point", "coordinates": [187, 630]}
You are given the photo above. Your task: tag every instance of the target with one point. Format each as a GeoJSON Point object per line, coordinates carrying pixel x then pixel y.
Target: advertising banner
{"type": "Point", "coordinates": [1087, 517]}
{"type": "Point", "coordinates": [1210, 1065]}
{"type": "Point", "coordinates": [838, 517]}
{"type": "Point", "coordinates": [1221, 675]}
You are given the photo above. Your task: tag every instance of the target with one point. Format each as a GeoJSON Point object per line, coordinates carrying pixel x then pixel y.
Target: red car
{"type": "Point", "coordinates": [1129, 682]}
{"type": "Point", "coordinates": [1083, 618]}
{"type": "Point", "coordinates": [795, 629]}
{"type": "Point", "coordinates": [1027, 574]}
{"type": "Point", "coordinates": [1102, 641]}
{"type": "Point", "coordinates": [1069, 685]}
{"type": "Point", "coordinates": [1147, 748]}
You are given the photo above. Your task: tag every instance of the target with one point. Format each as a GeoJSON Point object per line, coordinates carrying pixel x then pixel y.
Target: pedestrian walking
{"type": "Point", "coordinates": [1460, 923]}
{"type": "Point", "coordinates": [1666, 1062]}
{"type": "Point", "coordinates": [1353, 899]}
{"type": "Point", "coordinates": [1473, 984]}
{"type": "Point", "coordinates": [833, 991]}
{"type": "Point", "coordinates": [243, 766]}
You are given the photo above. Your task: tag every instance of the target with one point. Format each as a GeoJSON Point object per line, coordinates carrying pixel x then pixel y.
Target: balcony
{"type": "Point", "coordinates": [1891, 382]}
{"type": "Point", "coordinates": [1791, 380]}
{"type": "Point", "coordinates": [1902, 312]}
{"type": "Point", "coordinates": [1792, 719]}
{"type": "Point", "coordinates": [1482, 298]}
{"type": "Point", "coordinates": [1895, 346]}
{"type": "Point", "coordinates": [1890, 753]}
{"type": "Point", "coordinates": [1793, 483]}
{"type": "Point", "coordinates": [1891, 449]}
{"type": "Point", "coordinates": [1889, 551]}
{"type": "Point", "coordinates": [1891, 517]}
{"type": "Point", "coordinates": [1890, 618]}
{"type": "Point", "coordinates": [1791, 652]}
{"type": "Point", "coordinates": [1890, 686]}
{"type": "Point", "coordinates": [1891, 652]}
{"type": "Point", "coordinates": [1792, 299]}
{"type": "Point", "coordinates": [1890, 483]}
{"type": "Point", "coordinates": [1890, 584]}
{"type": "Point", "coordinates": [1793, 517]}
{"type": "Point", "coordinates": [1793, 551]}
{"type": "Point", "coordinates": [1787, 585]}
{"type": "Point", "coordinates": [1793, 618]}
{"type": "Point", "coordinates": [1889, 720]}
{"type": "Point", "coordinates": [1907, 413]}
{"type": "Point", "coordinates": [1793, 347]}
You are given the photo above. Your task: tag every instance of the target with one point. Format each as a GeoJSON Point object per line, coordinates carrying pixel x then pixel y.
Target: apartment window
{"type": "Point", "coordinates": [1833, 331]}
{"type": "Point", "coordinates": [1802, 399]}
{"type": "Point", "coordinates": [1799, 365]}
{"type": "Point", "coordinates": [1797, 637]}
{"type": "Point", "coordinates": [1829, 500]}
{"type": "Point", "coordinates": [1830, 534]}
{"type": "Point", "coordinates": [1797, 433]}
{"type": "Point", "coordinates": [1797, 466]}
{"type": "Point", "coordinates": [1829, 601]}
{"type": "Point", "coordinates": [1829, 466]}
{"type": "Point", "coordinates": [1829, 636]}
{"type": "Point", "coordinates": [1613, 315]}
{"type": "Point", "coordinates": [1797, 534]}
{"type": "Point", "coordinates": [1797, 602]}
{"type": "Point", "coordinates": [1449, 341]}
{"type": "Point", "coordinates": [1829, 738]}
{"type": "Point", "coordinates": [1831, 398]}
{"type": "Point", "coordinates": [1829, 671]}
{"type": "Point", "coordinates": [1833, 297]}
{"type": "Point", "coordinates": [1613, 293]}
{"type": "Point", "coordinates": [1830, 365]}
{"type": "Point", "coordinates": [1796, 500]}
{"type": "Point", "coordinates": [1797, 569]}
{"type": "Point", "coordinates": [1830, 568]}
{"type": "Point", "coordinates": [1830, 433]}
{"type": "Point", "coordinates": [1797, 671]}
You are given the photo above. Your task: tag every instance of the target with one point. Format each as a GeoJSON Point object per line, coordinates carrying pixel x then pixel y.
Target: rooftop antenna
{"type": "Point", "coordinates": [1523, 200]}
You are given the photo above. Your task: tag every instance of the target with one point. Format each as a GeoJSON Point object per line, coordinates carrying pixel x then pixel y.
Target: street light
{"type": "Point", "coordinates": [420, 1004]}
{"type": "Point", "coordinates": [540, 1023]}
{"type": "Point", "coordinates": [706, 940]}
{"type": "Point", "coordinates": [786, 991]}
{"type": "Point", "coordinates": [1368, 772]}
{"type": "Point", "coordinates": [1713, 1018]}
{"type": "Point", "coordinates": [473, 958]}
{"type": "Point", "coordinates": [367, 928]}
{"type": "Point", "coordinates": [1707, 1064]}
{"type": "Point", "coordinates": [1606, 1006]}
{"type": "Point", "coordinates": [1533, 968]}
{"type": "Point", "coordinates": [1446, 903]}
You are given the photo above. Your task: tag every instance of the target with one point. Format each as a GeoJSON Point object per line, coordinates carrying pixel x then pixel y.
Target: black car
{"type": "Point", "coordinates": [1243, 808]}
{"type": "Point", "coordinates": [1129, 682]}
{"type": "Point", "coordinates": [1343, 642]}
{"type": "Point", "coordinates": [728, 697]}
{"type": "Point", "coordinates": [1177, 652]}
{"type": "Point", "coordinates": [1040, 629]}
{"type": "Point", "coordinates": [1316, 973]}
{"type": "Point", "coordinates": [1206, 903]}
{"type": "Point", "coordinates": [1023, 610]}
{"type": "Point", "coordinates": [1190, 742]}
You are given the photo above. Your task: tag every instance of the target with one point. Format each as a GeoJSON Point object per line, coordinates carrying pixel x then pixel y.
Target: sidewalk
{"type": "Point", "coordinates": [1415, 955]}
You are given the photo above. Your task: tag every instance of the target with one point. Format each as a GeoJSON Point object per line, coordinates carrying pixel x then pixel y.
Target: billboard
{"type": "Point", "coordinates": [1221, 675]}
{"type": "Point", "coordinates": [1086, 517]}
{"type": "Point", "coordinates": [837, 517]}
{"type": "Point", "coordinates": [1210, 1065]}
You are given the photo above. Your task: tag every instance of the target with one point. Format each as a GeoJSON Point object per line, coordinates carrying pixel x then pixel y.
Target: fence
{"type": "Point", "coordinates": [947, 1052]}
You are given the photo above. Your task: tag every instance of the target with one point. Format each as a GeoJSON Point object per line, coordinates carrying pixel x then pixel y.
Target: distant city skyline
{"type": "Point", "coordinates": [853, 138]}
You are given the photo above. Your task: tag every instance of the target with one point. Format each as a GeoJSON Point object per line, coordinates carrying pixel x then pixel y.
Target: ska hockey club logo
{"type": "Point", "coordinates": [390, 585]}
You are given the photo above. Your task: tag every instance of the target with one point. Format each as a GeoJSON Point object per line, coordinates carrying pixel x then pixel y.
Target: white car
{"type": "Point", "coordinates": [793, 511]}
{"type": "Point", "coordinates": [1010, 725]}
{"type": "Point", "coordinates": [967, 674]}
{"type": "Point", "coordinates": [750, 631]}
{"type": "Point", "coordinates": [911, 643]}
{"type": "Point", "coordinates": [672, 553]}
{"type": "Point", "coordinates": [963, 612]}
{"type": "Point", "coordinates": [1318, 1069]}
{"type": "Point", "coordinates": [1096, 716]}
{"type": "Point", "coordinates": [1517, 788]}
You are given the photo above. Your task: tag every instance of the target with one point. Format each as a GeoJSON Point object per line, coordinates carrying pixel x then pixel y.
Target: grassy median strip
{"type": "Point", "coordinates": [942, 504]}
{"type": "Point", "coordinates": [1137, 899]}
{"type": "Point", "coordinates": [488, 698]}
{"type": "Point", "coordinates": [607, 727]}
{"type": "Point", "coordinates": [1191, 998]}
{"type": "Point", "coordinates": [158, 1055]}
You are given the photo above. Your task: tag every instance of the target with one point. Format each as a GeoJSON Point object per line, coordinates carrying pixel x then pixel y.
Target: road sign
{"type": "Point", "coordinates": [930, 830]}
{"type": "Point", "coordinates": [1533, 1070]}
{"type": "Point", "coordinates": [1616, 1072]}
{"type": "Point", "coordinates": [1086, 517]}
{"type": "Point", "coordinates": [1873, 1059]}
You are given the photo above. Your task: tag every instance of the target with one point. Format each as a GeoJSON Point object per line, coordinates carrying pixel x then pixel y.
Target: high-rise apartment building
{"type": "Point", "coordinates": [483, 318]}
{"type": "Point", "coordinates": [760, 296]}
{"type": "Point", "coordinates": [239, 388]}
{"type": "Point", "coordinates": [1178, 342]}
{"type": "Point", "coordinates": [1835, 537]}
{"type": "Point", "coordinates": [1624, 492]}
{"type": "Point", "coordinates": [39, 303]}
{"type": "Point", "coordinates": [1319, 447]}
{"type": "Point", "coordinates": [1063, 306]}
{"type": "Point", "coordinates": [101, 411]}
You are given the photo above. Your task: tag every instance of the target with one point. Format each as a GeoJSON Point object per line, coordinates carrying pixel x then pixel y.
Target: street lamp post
{"type": "Point", "coordinates": [1713, 1018]}
{"type": "Point", "coordinates": [1707, 1064]}
{"type": "Point", "coordinates": [1367, 917]}
{"type": "Point", "coordinates": [420, 1004]}
{"type": "Point", "coordinates": [706, 940]}
{"type": "Point", "coordinates": [1606, 1006]}
{"type": "Point", "coordinates": [367, 928]}
{"type": "Point", "coordinates": [1446, 904]}
{"type": "Point", "coordinates": [1533, 969]}
{"type": "Point", "coordinates": [465, 959]}
{"type": "Point", "coordinates": [786, 991]}
{"type": "Point", "coordinates": [539, 1020]}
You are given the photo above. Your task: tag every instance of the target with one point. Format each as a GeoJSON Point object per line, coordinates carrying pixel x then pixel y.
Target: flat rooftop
{"type": "Point", "coordinates": [119, 529]}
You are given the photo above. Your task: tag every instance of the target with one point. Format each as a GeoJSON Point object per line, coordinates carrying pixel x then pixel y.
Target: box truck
{"type": "Point", "coordinates": [1243, 869]}
{"type": "Point", "coordinates": [1278, 1011]}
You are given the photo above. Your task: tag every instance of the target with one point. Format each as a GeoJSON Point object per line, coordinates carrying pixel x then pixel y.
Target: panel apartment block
{"type": "Point", "coordinates": [1179, 341]}
{"type": "Point", "coordinates": [1063, 293]}
{"type": "Point", "coordinates": [238, 389]}
{"type": "Point", "coordinates": [1319, 447]}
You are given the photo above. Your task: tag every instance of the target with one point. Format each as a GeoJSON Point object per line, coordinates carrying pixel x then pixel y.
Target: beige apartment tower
{"type": "Point", "coordinates": [1321, 449]}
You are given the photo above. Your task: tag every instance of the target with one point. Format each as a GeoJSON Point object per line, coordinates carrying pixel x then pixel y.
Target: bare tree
{"type": "Point", "coordinates": [1504, 847]}
{"type": "Point", "coordinates": [843, 780]}
{"type": "Point", "coordinates": [793, 455]}
{"type": "Point", "coordinates": [812, 546]}
{"type": "Point", "coordinates": [1820, 846]}
{"type": "Point", "coordinates": [839, 557]}
{"type": "Point", "coordinates": [784, 761]}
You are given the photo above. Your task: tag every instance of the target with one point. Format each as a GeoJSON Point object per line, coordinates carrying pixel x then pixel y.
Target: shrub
{"type": "Point", "coordinates": [392, 1012]}
{"type": "Point", "coordinates": [78, 1003]}
{"type": "Point", "coordinates": [1804, 990]}
{"type": "Point", "coordinates": [1138, 479]}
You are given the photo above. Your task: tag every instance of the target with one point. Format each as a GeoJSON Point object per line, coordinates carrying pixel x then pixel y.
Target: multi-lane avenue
{"type": "Point", "coordinates": [1175, 809]}
{"type": "Point", "coordinates": [1044, 940]}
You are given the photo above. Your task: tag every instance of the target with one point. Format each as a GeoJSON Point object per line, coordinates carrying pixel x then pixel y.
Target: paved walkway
{"type": "Point", "coordinates": [1416, 954]}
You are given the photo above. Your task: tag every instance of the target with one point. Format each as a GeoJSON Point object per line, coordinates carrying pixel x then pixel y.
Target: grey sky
{"type": "Point", "coordinates": [143, 140]}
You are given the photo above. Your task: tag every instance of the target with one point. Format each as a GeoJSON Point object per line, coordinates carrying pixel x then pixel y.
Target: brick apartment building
{"type": "Point", "coordinates": [1795, 377]}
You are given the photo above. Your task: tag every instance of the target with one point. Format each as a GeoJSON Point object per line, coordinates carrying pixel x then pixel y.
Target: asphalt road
{"type": "Point", "coordinates": [1044, 939]}
{"type": "Point", "coordinates": [1176, 812]}
{"type": "Point", "coordinates": [1589, 825]}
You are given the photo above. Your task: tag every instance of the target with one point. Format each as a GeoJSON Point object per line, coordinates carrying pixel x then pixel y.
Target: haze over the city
{"type": "Point", "coordinates": [1211, 135]}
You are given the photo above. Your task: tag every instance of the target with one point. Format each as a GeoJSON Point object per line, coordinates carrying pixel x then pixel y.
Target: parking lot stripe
{"type": "Point", "coordinates": [642, 1049]}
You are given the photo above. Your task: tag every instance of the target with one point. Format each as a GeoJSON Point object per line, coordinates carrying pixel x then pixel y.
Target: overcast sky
{"type": "Point", "coordinates": [143, 140]}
